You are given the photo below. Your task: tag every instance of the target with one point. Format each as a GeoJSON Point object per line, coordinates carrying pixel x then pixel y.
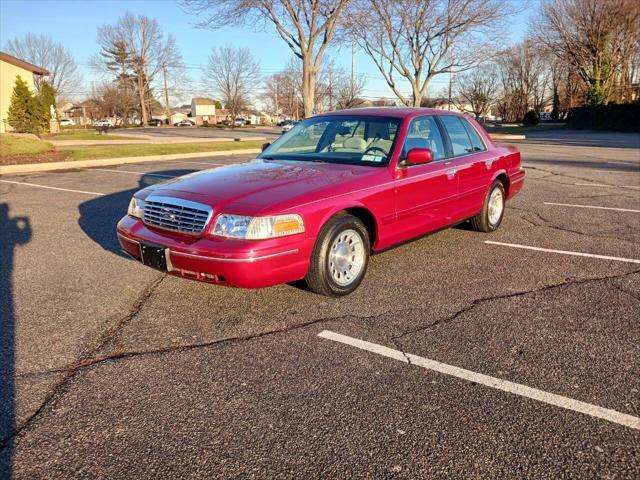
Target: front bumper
{"type": "Point", "coordinates": [246, 264]}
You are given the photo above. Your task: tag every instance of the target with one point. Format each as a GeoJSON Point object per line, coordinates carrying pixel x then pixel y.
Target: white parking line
{"type": "Point", "coordinates": [593, 206]}
{"type": "Point", "coordinates": [604, 185]}
{"type": "Point", "coordinates": [488, 381]}
{"type": "Point", "coordinates": [53, 188]}
{"type": "Point", "coordinates": [564, 252]}
{"type": "Point", "coordinates": [202, 163]}
{"type": "Point", "coordinates": [132, 172]}
{"type": "Point", "coordinates": [635, 164]}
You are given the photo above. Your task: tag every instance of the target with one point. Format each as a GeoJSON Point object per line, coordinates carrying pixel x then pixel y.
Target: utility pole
{"type": "Point", "coordinates": [166, 93]}
{"type": "Point", "coordinates": [331, 90]}
{"type": "Point", "coordinates": [277, 95]}
{"type": "Point", "coordinates": [449, 88]}
{"type": "Point", "coordinates": [353, 68]}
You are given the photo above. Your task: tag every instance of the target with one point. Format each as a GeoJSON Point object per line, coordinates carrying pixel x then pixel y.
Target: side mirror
{"type": "Point", "coordinates": [265, 146]}
{"type": "Point", "coordinates": [418, 156]}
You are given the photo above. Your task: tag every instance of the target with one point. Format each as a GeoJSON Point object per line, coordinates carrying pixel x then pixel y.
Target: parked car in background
{"type": "Point", "coordinates": [184, 123]}
{"type": "Point", "coordinates": [319, 200]}
{"type": "Point", "coordinates": [66, 122]}
{"type": "Point", "coordinates": [288, 126]}
{"type": "Point", "coordinates": [154, 122]}
{"type": "Point", "coordinates": [103, 123]}
{"type": "Point", "coordinates": [239, 122]}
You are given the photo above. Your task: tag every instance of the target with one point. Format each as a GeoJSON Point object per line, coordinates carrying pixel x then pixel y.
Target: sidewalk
{"type": "Point", "coordinates": [103, 162]}
{"type": "Point", "coordinates": [148, 139]}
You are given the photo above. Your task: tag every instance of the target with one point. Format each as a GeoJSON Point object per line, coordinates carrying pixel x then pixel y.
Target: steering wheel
{"type": "Point", "coordinates": [375, 149]}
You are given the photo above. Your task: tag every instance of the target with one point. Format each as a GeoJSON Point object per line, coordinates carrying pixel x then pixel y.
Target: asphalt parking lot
{"type": "Point", "coordinates": [456, 358]}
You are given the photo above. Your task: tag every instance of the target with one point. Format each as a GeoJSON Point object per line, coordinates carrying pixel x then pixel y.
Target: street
{"type": "Point", "coordinates": [194, 132]}
{"type": "Point", "coordinates": [505, 355]}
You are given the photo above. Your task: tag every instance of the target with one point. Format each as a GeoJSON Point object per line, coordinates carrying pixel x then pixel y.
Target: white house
{"type": "Point", "coordinates": [203, 110]}
{"type": "Point", "coordinates": [177, 117]}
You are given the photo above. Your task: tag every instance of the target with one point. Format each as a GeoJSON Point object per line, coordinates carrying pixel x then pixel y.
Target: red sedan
{"type": "Point", "coordinates": [319, 200]}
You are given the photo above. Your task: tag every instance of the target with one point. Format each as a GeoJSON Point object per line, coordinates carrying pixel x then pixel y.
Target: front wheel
{"type": "Point", "coordinates": [340, 257]}
{"type": "Point", "coordinates": [490, 216]}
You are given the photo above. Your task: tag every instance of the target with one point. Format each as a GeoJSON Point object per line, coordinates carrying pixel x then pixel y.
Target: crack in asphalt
{"type": "Point", "coordinates": [622, 191]}
{"type": "Point", "coordinates": [397, 340]}
{"type": "Point", "coordinates": [69, 372]}
{"type": "Point", "coordinates": [549, 224]}
{"type": "Point", "coordinates": [90, 360]}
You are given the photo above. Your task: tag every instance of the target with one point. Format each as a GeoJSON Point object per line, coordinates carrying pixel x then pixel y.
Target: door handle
{"type": "Point", "coordinates": [451, 171]}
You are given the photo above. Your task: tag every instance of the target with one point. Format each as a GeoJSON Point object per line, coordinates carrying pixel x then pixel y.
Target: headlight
{"type": "Point", "coordinates": [136, 207]}
{"type": "Point", "coordinates": [258, 228]}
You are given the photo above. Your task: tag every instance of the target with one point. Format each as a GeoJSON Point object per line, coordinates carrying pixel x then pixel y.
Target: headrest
{"type": "Point", "coordinates": [355, 143]}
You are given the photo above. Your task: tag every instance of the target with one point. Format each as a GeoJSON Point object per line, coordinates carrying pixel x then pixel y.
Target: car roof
{"type": "Point", "coordinates": [400, 112]}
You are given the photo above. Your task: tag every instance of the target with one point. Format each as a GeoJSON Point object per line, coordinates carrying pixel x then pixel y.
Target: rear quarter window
{"type": "Point", "coordinates": [476, 141]}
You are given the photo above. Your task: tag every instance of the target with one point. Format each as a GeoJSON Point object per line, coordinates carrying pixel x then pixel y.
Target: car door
{"type": "Point", "coordinates": [425, 194]}
{"type": "Point", "coordinates": [472, 162]}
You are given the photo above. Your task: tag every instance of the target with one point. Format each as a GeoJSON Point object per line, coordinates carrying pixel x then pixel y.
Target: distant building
{"type": "Point", "coordinates": [10, 68]}
{"type": "Point", "coordinates": [177, 116]}
{"type": "Point", "coordinates": [85, 113]}
{"type": "Point", "coordinates": [203, 110]}
{"type": "Point", "coordinates": [455, 105]}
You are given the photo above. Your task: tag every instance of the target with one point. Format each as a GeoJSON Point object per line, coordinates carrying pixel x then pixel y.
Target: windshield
{"type": "Point", "coordinates": [353, 139]}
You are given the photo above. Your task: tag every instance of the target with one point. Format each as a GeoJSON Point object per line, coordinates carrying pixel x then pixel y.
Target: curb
{"type": "Point", "coordinates": [507, 136]}
{"type": "Point", "coordinates": [103, 162]}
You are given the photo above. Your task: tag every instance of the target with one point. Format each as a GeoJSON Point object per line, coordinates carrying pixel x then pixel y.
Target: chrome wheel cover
{"type": "Point", "coordinates": [496, 206]}
{"type": "Point", "coordinates": [346, 257]}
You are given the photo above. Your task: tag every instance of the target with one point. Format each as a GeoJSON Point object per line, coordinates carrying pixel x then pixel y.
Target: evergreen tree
{"type": "Point", "coordinates": [22, 108]}
{"type": "Point", "coordinates": [44, 100]}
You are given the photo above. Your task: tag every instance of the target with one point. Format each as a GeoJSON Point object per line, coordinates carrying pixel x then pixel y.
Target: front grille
{"type": "Point", "coordinates": [176, 214]}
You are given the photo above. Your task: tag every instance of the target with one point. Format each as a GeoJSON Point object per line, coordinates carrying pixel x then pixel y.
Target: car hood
{"type": "Point", "coordinates": [251, 187]}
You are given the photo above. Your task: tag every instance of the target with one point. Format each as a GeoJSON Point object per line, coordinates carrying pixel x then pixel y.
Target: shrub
{"type": "Point", "coordinates": [531, 118]}
{"type": "Point", "coordinates": [29, 113]}
{"type": "Point", "coordinates": [22, 110]}
{"type": "Point", "coordinates": [621, 117]}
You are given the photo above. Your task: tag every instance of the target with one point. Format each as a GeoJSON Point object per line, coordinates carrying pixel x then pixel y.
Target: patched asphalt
{"type": "Point", "coordinates": [113, 370]}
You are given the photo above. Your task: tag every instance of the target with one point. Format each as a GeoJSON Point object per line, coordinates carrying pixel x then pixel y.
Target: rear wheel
{"type": "Point", "coordinates": [340, 257]}
{"type": "Point", "coordinates": [490, 217]}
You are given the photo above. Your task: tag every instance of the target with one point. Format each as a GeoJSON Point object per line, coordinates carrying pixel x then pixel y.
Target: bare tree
{"type": "Point", "coordinates": [335, 89]}
{"type": "Point", "coordinates": [136, 46]}
{"type": "Point", "coordinates": [306, 26]}
{"type": "Point", "coordinates": [233, 74]}
{"type": "Point", "coordinates": [599, 38]}
{"type": "Point", "coordinates": [349, 94]}
{"type": "Point", "coordinates": [283, 91]}
{"type": "Point", "coordinates": [43, 51]}
{"type": "Point", "coordinates": [420, 39]}
{"type": "Point", "coordinates": [477, 89]}
{"type": "Point", "coordinates": [526, 76]}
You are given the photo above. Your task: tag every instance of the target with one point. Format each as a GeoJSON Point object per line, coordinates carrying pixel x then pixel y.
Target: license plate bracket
{"type": "Point", "coordinates": [153, 255]}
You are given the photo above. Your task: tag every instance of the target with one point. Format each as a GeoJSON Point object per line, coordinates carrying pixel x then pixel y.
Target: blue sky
{"type": "Point", "coordinates": [74, 24]}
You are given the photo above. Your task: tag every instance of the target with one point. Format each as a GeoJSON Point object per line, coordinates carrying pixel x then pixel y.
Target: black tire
{"type": "Point", "coordinates": [481, 221]}
{"type": "Point", "coordinates": [319, 278]}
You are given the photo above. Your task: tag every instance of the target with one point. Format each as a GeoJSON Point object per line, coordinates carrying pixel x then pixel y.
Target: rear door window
{"type": "Point", "coordinates": [460, 142]}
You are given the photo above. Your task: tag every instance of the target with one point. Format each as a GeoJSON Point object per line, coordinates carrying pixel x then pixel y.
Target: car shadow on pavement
{"type": "Point", "coordinates": [99, 216]}
{"type": "Point", "coordinates": [14, 231]}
